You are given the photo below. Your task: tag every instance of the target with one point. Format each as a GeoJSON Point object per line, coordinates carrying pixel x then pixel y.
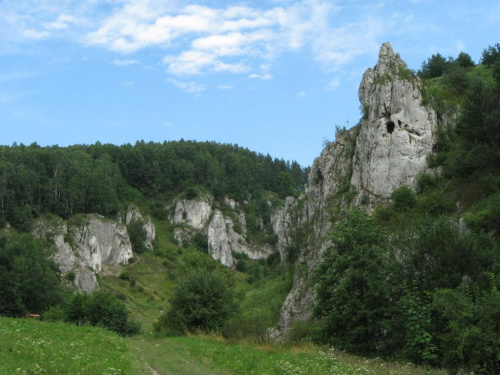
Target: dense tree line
{"type": "Point", "coordinates": [98, 178]}
{"type": "Point", "coordinates": [428, 290]}
{"type": "Point", "coordinates": [430, 294]}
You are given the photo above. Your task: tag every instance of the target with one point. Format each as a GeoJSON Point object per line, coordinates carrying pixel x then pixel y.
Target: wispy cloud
{"type": "Point", "coordinates": [334, 83]}
{"type": "Point", "coordinates": [200, 39]}
{"type": "Point", "coordinates": [234, 39]}
{"type": "Point", "coordinates": [15, 76]}
{"type": "Point", "coordinates": [120, 62]}
{"type": "Point", "coordinates": [189, 86]}
{"type": "Point", "coordinates": [7, 97]}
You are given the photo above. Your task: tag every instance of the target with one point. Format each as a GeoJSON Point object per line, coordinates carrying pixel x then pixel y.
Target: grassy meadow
{"type": "Point", "coordinates": [32, 347]}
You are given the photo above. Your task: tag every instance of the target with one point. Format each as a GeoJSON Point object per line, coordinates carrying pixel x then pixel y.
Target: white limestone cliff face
{"type": "Point", "coordinates": [148, 227]}
{"type": "Point", "coordinates": [193, 212]}
{"type": "Point", "coordinates": [310, 213]}
{"type": "Point", "coordinates": [398, 133]}
{"type": "Point", "coordinates": [386, 150]}
{"type": "Point", "coordinates": [223, 238]}
{"type": "Point", "coordinates": [86, 248]}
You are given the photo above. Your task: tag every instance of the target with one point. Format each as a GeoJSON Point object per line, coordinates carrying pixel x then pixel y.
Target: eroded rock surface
{"type": "Point", "coordinates": [86, 246]}
{"type": "Point", "coordinates": [362, 167]}
{"type": "Point", "coordinates": [148, 227]}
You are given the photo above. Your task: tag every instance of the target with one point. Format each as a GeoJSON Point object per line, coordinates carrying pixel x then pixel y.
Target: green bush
{"type": "Point", "coordinates": [439, 255]}
{"type": "Point", "coordinates": [305, 331]}
{"type": "Point", "coordinates": [468, 328]}
{"type": "Point", "coordinates": [426, 182]}
{"type": "Point", "coordinates": [202, 301]}
{"type": "Point", "coordinates": [435, 203]}
{"type": "Point", "coordinates": [384, 213]}
{"type": "Point", "coordinates": [100, 309]}
{"type": "Point", "coordinates": [242, 265]}
{"type": "Point", "coordinates": [403, 198]}
{"type": "Point", "coordinates": [137, 236]}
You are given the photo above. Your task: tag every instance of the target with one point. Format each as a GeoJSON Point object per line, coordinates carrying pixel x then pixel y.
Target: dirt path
{"type": "Point", "coordinates": [165, 357]}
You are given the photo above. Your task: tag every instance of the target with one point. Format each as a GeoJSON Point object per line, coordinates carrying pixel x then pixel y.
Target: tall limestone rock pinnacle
{"type": "Point", "coordinates": [397, 132]}
{"type": "Point", "coordinates": [386, 150]}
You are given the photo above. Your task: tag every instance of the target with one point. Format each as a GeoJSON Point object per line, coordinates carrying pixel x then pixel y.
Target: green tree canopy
{"type": "Point", "coordinates": [203, 300]}
{"type": "Point", "coordinates": [352, 288]}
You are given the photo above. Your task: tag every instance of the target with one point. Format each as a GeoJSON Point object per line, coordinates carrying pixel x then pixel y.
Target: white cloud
{"type": "Point", "coordinates": [128, 83]}
{"type": "Point", "coordinates": [167, 125]}
{"type": "Point", "coordinates": [334, 83]}
{"type": "Point", "coordinates": [200, 39]}
{"type": "Point", "coordinates": [120, 62]}
{"type": "Point", "coordinates": [62, 22]}
{"type": "Point", "coordinates": [34, 34]}
{"type": "Point", "coordinates": [190, 86]}
{"type": "Point", "coordinates": [224, 86]}
{"type": "Point", "coordinates": [264, 77]}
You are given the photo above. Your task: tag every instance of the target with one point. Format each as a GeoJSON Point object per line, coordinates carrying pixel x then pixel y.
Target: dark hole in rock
{"type": "Point", "coordinates": [390, 127]}
{"type": "Point", "coordinates": [399, 122]}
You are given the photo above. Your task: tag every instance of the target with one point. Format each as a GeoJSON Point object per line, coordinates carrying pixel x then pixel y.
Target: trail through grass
{"type": "Point", "coordinates": [213, 355]}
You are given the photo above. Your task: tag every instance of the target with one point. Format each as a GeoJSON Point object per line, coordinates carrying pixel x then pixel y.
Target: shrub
{"type": "Point", "coordinates": [384, 213]}
{"type": "Point", "coordinates": [124, 275]}
{"type": "Point", "coordinates": [439, 255]}
{"type": "Point", "coordinates": [70, 276]}
{"type": "Point", "coordinates": [101, 309]}
{"type": "Point", "coordinates": [202, 301]}
{"type": "Point", "coordinates": [242, 265]}
{"type": "Point", "coordinates": [137, 236]}
{"type": "Point", "coordinates": [469, 329]}
{"type": "Point", "coordinates": [426, 182]}
{"type": "Point", "coordinates": [305, 331]}
{"type": "Point", "coordinates": [435, 203]}
{"type": "Point", "coordinates": [403, 198]}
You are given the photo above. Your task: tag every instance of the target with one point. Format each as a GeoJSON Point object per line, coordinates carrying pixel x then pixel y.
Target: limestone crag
{"type": "Point", "coordinates": [148, 227]}
{"type": "Point", "coordinates": [193, 212]}
{"type": "Point", "coordinates": [386, 150]}
{"type": "Point", "coordinates": [397, 133]}
{"type": "Point", "coordinates": [310, 214]}
{"type": "Point", "coordinates": [223, 240]}
{"type": "Point", "coordinates": [225, 233]}
{"type": "Point", "coordinates": [87, 247]}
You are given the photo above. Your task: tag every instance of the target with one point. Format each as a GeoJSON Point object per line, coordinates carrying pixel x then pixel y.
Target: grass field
{"type": "Point", "coordinates": [32, 347]}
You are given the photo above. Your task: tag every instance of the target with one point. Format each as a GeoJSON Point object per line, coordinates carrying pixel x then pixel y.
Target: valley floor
{"type": "Point", "coordinates": [32, 347]}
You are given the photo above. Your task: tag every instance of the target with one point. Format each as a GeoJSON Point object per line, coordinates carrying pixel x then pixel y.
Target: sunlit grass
{"type": "Point", "coordinates": [218, 356]}
{"type": "Point", "coordinates": [33, 347]}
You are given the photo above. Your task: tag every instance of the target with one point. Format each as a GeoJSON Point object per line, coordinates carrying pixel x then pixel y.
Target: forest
{"type": "Point", "coordinates": [102, 178]}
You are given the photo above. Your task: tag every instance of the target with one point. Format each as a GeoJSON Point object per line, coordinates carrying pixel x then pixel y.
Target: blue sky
{"type": "Point", "coordinates": [272, 76]}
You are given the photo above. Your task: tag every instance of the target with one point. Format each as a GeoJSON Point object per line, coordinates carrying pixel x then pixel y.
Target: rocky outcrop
{"type": "Point", "coordinates": [386, 150]}
{"type": "Point", "coordinates": [86, 246]}
{"type": "Point", "coordinates": [226, 233]}
{"type": "Point", "coordinates": [148, 227]}
{"type": "Point", "coordinates": [397, 133]}
{"type": "Point", "coordinates": [195, 213]}
{"type": "Point", "coordinates": [223, 240]}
